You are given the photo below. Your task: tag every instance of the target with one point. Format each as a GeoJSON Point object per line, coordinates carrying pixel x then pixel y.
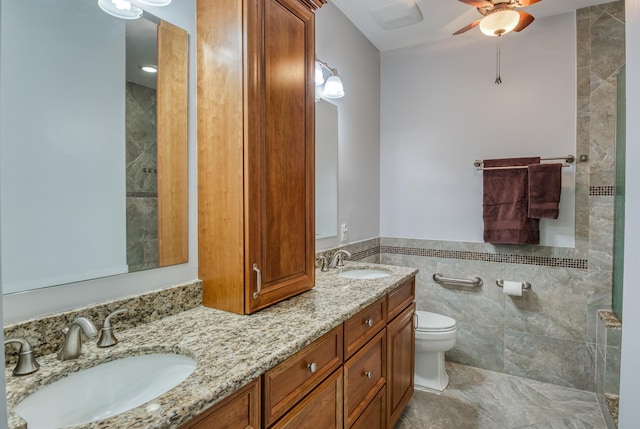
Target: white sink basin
{"type": "Point", "coordinates": [364, 274]}
{"type": "Point", "coordinates": [104, 390]}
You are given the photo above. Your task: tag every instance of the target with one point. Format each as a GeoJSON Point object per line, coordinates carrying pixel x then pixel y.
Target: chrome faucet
{"type": "Point", "coordinates": [72, 345]}
{"type": "Point", "coordinates": [107, 338]}
{"type": "Point", "coordinates": [324, 263]}
{"type": "Point", "coordinates": [337, 260]}
{"type": "Point", "coordinates": [26, 361]}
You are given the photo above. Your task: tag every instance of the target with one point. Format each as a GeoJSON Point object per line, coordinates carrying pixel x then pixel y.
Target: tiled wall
{"type": "Point", "coordinates": [142, 178]}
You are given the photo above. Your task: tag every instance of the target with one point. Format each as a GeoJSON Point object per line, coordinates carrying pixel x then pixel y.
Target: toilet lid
{"type": "Point", "coordinates": [428, 321]}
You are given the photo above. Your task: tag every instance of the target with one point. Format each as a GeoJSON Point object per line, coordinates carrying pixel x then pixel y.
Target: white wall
{"type": "Point", "coordinates": [441, 111]}
{"type": "Point", "coordinates": [63, 216]}
{"type": "Point", "coordinates": [340, 44]}
{"type": "Point", "coordinates": [21, 306]}
{"type": "Point", "coordinates": [630, 371]}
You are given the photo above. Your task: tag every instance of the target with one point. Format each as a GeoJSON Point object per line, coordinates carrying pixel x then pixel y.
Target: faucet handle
{"type": "Point", "coordinates": [107, 338]}
{"type": "Point", "coordinates": [324, 263]}
{"type": "Point", "coordinates": [27, 363]}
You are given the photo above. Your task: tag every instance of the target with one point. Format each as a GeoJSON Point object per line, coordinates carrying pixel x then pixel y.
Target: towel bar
{"type": "Point", "coordinates": [475, 282]}
{"type": "Point", "coordinates": [526, 286]}
{"type": "Point", "coordinates": [569, 159]}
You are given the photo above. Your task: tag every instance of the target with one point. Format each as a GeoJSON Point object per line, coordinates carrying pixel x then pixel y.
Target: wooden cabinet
{"type": "Point", "coordinates": [291, 380]}
{"type": "Point", "coordinates": [400, 349]}
{"type": "Point", "coordinates": [364, 377]}
{"type": "Point", "coordinates": [373, 417]}
{"type": "Point", "coordinates": [241, 410]}
{"type": "Point", "coordinates": [322, 409]}
{"type": "Point", "coordinates": [359, 329]}
{"type": "Point", "coordinates": [256, 113]}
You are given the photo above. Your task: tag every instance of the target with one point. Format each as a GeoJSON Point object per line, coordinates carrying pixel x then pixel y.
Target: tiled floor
{"type": "Point", "coordinates": [479, 399]}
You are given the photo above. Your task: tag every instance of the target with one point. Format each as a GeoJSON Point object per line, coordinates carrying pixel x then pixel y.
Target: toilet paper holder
{"type": "Point", "coordinates": [526, 286]}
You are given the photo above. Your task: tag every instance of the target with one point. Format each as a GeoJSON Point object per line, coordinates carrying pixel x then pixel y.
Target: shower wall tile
{"type": "Point", "coordinates": [601, 233]}
{"type": "Point", "coordinates": [546, 359]}
{"type": "Point", "coordinates": [556, 306]}
{"type": "Point", "coordinates": [607, 45]}
{"type": "Point", "coordinates": [612, 370]}
{"type": "Point", "coordinates": [478, 346]}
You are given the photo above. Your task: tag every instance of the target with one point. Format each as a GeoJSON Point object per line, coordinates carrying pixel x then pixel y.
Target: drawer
{"type": "Point", "coordinates": [322, 408]}
{"type": "Point", "coordinates": [286, 384]}
{"type": "Point", "coordinates": [400, 298]}
{"type": "Point", "coordinates": [241, 410]}
{"type": "Point", "coordinates": [363, 326]}
{"type": "Point", "coordinates": [364, 376]}
{"type": "Point", "coordinates": [373, 417]}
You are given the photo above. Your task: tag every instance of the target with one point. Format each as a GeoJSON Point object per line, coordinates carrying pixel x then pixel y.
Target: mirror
{"type": "Point", "coordinates": [326, 169]}
{"type": "Point", "coordinates": [93, 151]}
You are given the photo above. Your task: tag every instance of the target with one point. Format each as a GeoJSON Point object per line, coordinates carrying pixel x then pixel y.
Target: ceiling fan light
{"type": "Point", "coordinates": [500, 22]}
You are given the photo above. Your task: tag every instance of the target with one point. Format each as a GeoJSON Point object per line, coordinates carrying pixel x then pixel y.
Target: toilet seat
{"type": "Point", "coordinates": [433, 322]}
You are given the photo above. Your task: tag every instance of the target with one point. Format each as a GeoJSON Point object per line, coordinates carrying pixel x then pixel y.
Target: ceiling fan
{"type": "Point", "coordinates": [499, 16]}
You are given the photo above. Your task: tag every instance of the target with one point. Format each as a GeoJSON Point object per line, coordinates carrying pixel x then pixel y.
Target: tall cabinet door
{"type": "Point", "coordinates": [280, 232]}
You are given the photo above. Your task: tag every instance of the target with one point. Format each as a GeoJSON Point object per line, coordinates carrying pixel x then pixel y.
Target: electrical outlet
{"type": "Point", "coordinates": [343, 232]}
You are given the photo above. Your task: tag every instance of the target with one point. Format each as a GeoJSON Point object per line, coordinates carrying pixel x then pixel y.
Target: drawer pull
{"type": "Point", "coordinates": [313, 367]}
{"type": "Point", "coordinates": [368, 322]}
{"type": "Point", "coordinates": [368, 374]}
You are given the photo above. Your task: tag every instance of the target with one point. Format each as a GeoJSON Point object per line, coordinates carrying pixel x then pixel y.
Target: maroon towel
{"type": "Point", "coordinates": [505, 203]}
{"type": "Point", "coordinates": [545, 183]}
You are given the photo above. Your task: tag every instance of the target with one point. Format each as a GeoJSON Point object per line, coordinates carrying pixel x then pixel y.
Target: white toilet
{"type": "Point", "coordinates": [435, 334]}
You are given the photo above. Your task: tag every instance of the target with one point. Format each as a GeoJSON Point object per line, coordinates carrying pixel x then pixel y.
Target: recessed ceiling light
{"type": "Point", "coordinates": [122, 9]}
{"type": "Point", "coordinates": [149, 69]}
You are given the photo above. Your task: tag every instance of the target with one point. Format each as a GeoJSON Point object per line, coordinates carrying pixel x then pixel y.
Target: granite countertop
{"type": "Point", "coordinates": [231, 350]}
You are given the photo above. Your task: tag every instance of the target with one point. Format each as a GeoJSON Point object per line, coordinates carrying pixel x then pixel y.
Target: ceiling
{"type": "Point", "coordinates": [441, 19]}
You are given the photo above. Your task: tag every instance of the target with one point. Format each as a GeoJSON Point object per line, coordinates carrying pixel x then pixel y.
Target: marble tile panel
{"type": "Point", "coordinates": [607, 45]}
{"type": "Point", "coordinates": [614, 337]}
{"type": "Point", "coordinates": [551, 360]}
{"type": "Point", "coordinates": [583, 92]}
{"type": "Point", "coordinates": [599, 369]}
{"type": "Point", "coordinates": [583, 39]}
{"type": "Point", "coordinates": [612, 370]}
{"type": "Point", "coordinates": [615, 9]}
{"type": "Point", "coordinates": [601, 233]}
{"type": "Point", "coordinates": [556, 305]}
{"type": "Point", "coordinates": [583, 134]}
{"type": "Point", "coordinates": [601, 335]}
{"type": "Point", "coordinates": [582, 229]}
{"type": "Point", "coordinates": [597, 300]}
{"type": "Point", "coordinates": [478, 346]}
{"type": "Point", "coordinates": [591, 420]}
{"type": "Point", "coordinates": [590, 368]}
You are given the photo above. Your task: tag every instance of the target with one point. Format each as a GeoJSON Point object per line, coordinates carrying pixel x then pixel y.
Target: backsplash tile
{"type": "Point", "coordinates": [44, 333]}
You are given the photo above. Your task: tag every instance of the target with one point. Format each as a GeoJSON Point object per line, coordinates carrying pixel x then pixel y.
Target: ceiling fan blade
{"type": "Point", "coordinates": [468, 27]}
{"type": "Point", "coordinates": [525, 3]}
{"type": "Point", "coordinates": [525, 20]}
{"type": "Point", "coordinates": [478, 3]}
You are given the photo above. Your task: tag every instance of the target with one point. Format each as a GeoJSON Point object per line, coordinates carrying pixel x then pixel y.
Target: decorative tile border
{"type": "Point", "coordinates": [544, 261]}
{"type": "Point", "coordinates": [602, 191]}
{"type": "Point", "coordinates": [357, 256]}
{"type": "Point", "coordinates": [143, 194]}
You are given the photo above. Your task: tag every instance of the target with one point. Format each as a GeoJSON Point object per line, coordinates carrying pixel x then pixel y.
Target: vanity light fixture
{"type": "Point", "coordinates": [149, 69]}
{"type": "Point", "coordinates": [122, 9]}
{"type": "Point", "coordinates": [333, 87]}
{"type": "Point", "coordinates": [154, 2]}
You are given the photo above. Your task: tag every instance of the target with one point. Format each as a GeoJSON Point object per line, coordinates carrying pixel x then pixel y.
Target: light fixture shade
{"type": "Point", "coordinates": [501, 22]}
{"type": "Point", "coordinates": [154, 2]}
{"type": "Point", "coordinates": [333, 87]}
{"type": "Point", "coordinates": [122, 9]}
{"type": "Point", "coordinates": [319, 76]}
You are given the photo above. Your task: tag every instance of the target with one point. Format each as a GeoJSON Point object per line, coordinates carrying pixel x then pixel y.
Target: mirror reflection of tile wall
{"type": "Point", "coordinates": [142, 178]}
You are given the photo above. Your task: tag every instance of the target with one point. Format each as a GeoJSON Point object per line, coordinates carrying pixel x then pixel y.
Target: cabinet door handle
{"type": "Point", "coordinates": [312, 367]}
{"type": "Point", "coordinates": [368, 322]}
{"type": "Point", "coordinates": [368, 374]}
{"type": "Point", "coordinates": [259, 281]}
